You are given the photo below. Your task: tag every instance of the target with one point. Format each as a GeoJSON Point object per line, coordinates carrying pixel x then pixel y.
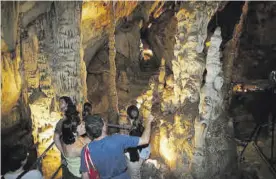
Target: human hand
{"type": "Point", "coordinates": [150, 118]}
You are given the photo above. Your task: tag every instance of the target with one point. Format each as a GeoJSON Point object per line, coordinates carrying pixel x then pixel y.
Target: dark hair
{"type": "Point", "coordinates": [72, 114]}
{"type": "Point", "coordinates": [94, 125]}
{"type": "Point", "coordinates": [68, 136]}
{"type": "Point", "coordinates": [67, 100]}
{"type": "Point", "coordinates": [88, 105]}
{"type": "Point", "coordinates": [17, 154]}
{"type": "Point", "coordinates": [69, 126]}
{"type": "Point", "coordinates": [137, 130]}
{"type": "Point", "coordinates": [132, 108]}
{"type": "Point", "coordinates": [87, 109]}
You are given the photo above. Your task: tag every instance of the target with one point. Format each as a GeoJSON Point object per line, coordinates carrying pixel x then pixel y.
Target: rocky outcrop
{"type": "Point", "coordinates": [176, 96]}
{"type": "Point", "coordinates": [161, 37]}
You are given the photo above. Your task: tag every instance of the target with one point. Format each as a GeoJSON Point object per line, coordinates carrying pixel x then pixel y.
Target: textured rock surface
{"type": "Point", "coordinates": [9, 23]}
{"type": "Point", "coordinates": [257, 44]}
{"type": "Point", "coordinates": [214, 149]}
{"type": "Point", "coordinates": [66, 56]}
{"type": "Point", "coordinates": [181, 93]}
{"type": "Point", "coordinates": [11, 80]}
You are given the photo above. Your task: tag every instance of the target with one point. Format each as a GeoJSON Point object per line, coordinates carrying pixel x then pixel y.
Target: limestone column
{"type": "Point", "coordinates": [188, 67]}
{"type": "Point", "coordinates": [113, 97]}
{"type": "Point", "coordinates": [68, 72]}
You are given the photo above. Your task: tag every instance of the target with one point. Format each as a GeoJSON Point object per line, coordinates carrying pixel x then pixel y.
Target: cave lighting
{"type": "Point", "coordinates": [242, 88]}
{"type": "Point", "coordinates": [147, 54]}
{"type": "Point", "coordinates": [208, 44]}
{"type": "Point", "coordinates": [153, 162]}
{"type": "Point", "coordinates": [167, 151]}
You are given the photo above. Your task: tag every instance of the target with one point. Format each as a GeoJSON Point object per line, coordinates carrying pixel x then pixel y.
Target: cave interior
{"type": "Point", "coordinates": [206, 70]}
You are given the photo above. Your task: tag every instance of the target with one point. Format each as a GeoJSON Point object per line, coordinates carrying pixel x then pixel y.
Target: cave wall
{"type": "Point", "coordinates": [257, 35]}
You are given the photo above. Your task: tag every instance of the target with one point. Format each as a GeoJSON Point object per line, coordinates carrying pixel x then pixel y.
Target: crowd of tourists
{"type": "Point", "coordinates": [87, 151]}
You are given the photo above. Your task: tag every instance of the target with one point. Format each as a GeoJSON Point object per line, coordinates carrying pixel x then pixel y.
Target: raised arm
{"type": "Point", "coordinates": [144, 139]}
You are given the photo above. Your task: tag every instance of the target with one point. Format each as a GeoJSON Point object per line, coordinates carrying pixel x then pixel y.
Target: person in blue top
{"type": "Point", "coordinates": [107, 152]}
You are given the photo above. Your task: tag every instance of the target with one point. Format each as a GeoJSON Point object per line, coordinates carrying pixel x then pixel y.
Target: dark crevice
{"type": "Point", "coordinates": [226, 19]}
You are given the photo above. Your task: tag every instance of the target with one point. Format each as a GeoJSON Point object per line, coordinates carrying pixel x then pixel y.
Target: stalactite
{"type": "Point", "coordinates": [113, 105]}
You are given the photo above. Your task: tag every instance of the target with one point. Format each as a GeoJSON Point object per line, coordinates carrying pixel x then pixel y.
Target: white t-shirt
{"type": "Point", "coordinates": [32, 174]}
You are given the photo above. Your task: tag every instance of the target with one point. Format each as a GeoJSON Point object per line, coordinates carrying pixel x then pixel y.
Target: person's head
{"type": "Point", "coordinates": [133, 112]}
{"type": "Point", "coordinates": [64, 101]}
{"type": "Point", "coordinates": [18, 157]}
{"type": "Point", "coordinates": [95, 126]}
{"type": "Point", "coordinates": [87, 109]}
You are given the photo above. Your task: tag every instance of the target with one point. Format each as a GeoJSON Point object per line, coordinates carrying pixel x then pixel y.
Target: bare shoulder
{"type": "Point", "coordinates": [86, 140]}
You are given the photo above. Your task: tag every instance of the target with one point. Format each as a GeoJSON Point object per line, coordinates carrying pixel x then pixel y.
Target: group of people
{"type": "Point", "coordinates": [117, 156]}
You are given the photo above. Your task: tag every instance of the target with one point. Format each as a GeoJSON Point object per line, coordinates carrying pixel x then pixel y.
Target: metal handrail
{"type": "Point", "coordinates": [265, 159]}
{"type": "Point", "coordinates": [37, 163]}
{"type": "Point", "coordinates": [253, 137]}
{"type": "Point", "coordinates": [56, 172]}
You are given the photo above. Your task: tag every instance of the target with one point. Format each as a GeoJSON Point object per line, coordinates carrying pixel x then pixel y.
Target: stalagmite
{"type": "Point", "coordinates": [214, 150]}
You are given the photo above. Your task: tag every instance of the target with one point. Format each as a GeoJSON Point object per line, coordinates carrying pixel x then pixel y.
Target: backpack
{"type": "Point", "coordinates": [92, 171]}
{"type": "Point", "coordinates": [137, 130]}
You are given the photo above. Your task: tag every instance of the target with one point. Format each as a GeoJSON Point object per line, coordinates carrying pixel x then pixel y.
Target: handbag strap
{"type": "Point", "coordinates": [22, 174]}
{"type": "Point", "coordinates": [88, 160]}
